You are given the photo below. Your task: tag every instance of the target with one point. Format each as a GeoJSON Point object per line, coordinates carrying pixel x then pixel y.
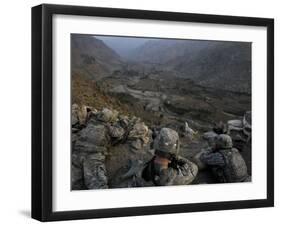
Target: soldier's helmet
{"type": "Point", "coordinates": [223, 141]}
{"type": "Point", "coordinates": [167, 143]}
{"type": "Point", "coordinates": [107, 115]}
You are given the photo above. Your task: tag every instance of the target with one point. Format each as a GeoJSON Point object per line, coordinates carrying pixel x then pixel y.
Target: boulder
{"type": "Point", "coordinates": [235, 123]}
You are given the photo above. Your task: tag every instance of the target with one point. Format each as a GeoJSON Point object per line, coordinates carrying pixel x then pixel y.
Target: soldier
{"type": "Point", "coordinates": [129, 142]}
{"type": "Point", "coordinates": [88, 157]}
{"type": "Point", "coordinates": [226, 162]}
{"type": "Point", "coordinates": [167, 167]}
{"type": "Point", "coordinates": [128, 156]}
{"type": "Point", "coordinates": [90, 149]}
{"type": "Point", "coordinates": [106, 129]}
{"type": "Point", "coordinates": [238, 129]}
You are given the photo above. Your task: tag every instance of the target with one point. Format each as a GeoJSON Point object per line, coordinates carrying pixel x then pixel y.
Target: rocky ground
{"type": "Point", "coordinates": [161, 99]}
{"type": "Point", "coordinates": [185, 85]}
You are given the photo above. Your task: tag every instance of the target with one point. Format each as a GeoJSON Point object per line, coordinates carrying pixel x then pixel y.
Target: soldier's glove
{"type": "Point", "coordinates": [163, 178]}
{"type": "Point", "coordinates": [158, 168]}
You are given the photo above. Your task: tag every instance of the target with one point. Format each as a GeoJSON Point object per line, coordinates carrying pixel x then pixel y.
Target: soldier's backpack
{"type": "Point", "coordinates": [235, 169]}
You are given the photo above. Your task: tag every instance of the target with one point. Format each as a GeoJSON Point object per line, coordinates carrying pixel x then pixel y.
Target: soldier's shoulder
{"type": "Point", "coordinates": [235, 150]}
{"type": "Point", "coordinates": [187, 167]}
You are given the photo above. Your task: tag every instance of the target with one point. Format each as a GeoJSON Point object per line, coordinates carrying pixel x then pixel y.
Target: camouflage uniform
{"type": "Point", "coordinates": [93, 165]}
{"type": "Point", "coordinates": [180, 171]}
{"type": "Point", "coordinates": [238, 129]}
{"type": "Point", "coordinates": [226, 162]}
{"type": "Point", "coordinates": [128, 156]}
{"type": "Point", "coordinates": [90, 148]}
{"type": "Point", "coordinates": [88, 156]}
{"type": "Point", "coordinates": [129, 162]}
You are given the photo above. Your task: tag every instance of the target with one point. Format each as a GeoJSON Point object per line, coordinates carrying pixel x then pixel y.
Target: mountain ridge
{"type": "Point", "coordinates": [92, 57]}
{"type": "Point", "coordinates": [216, 64]}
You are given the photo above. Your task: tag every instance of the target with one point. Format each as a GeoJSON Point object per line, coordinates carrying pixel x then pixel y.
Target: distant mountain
{"type": "Point", "coordinates": [92, 57]}
{"type": "Point", "coordinates": [222, 65]}
{"type": "Point", "coordinates": [122, 45]}
{"type": "Point", "coordinates": [162, 51]}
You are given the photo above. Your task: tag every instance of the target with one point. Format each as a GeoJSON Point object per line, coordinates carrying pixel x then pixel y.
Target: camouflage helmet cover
{"type": "Point", "coordinates": [223, 141]}
{"type": "Point", "coordinates": [106, 115]}
{"type": "Point", "coordinates": [167, 141]}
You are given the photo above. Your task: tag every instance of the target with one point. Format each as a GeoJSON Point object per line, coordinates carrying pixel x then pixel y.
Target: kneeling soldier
{"type": "Point", "coordinates": [226, 162]}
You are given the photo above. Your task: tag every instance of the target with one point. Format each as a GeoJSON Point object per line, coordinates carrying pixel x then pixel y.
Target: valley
{"type": "Point", "coordinates": [167, 84]}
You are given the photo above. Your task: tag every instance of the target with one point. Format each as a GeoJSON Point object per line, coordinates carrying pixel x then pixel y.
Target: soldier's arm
{"type": "Point", "coordinates": [186, 174]}
{"type": "Point", "coordinates": [94, 173]}
{"type": "Point", "coordinates": [196, 159]}
{"type": "Point", "coordinates": [212, 159]}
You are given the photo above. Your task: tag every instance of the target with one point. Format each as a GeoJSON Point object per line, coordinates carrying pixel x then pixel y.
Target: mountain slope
{"type": "Point", "coordinates": [88, 92]}
{"type": "Point", "coordinates": [222, 65]}
{"type": "Point", "coordinates": [92, 57]}
{"type": "Point", "coordinates": [165, 50]}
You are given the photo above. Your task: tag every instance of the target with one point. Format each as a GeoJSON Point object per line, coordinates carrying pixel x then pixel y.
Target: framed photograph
{"type": "Point", "coordinates": [145, 112]}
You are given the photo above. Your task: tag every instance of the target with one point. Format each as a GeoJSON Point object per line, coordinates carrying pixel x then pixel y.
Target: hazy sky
{"type": "Point", "coordinates": [122, 45]}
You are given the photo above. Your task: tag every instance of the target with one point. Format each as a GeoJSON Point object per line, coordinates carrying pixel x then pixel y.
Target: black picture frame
{"type": "Point", "coordinates": [42, 107]}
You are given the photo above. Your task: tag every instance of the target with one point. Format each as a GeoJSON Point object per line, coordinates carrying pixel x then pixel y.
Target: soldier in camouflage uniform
{"type": "Point", "coordinates": [226, 162]}
{"type": "Point", "coordinates": [90, 147]}
{"type": "Point", "coordinates": [88, 156]}
{"type": "Point", "coordinates": [105, 144]}
{"type": "Point", "coordinates": [167, 167]}
{"type": "Point", "coordinates": [127, 157]}
{"type": "Point", "coordinates": [95, 166]}
{"type": "Point", "coordinates": [238, 129]}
